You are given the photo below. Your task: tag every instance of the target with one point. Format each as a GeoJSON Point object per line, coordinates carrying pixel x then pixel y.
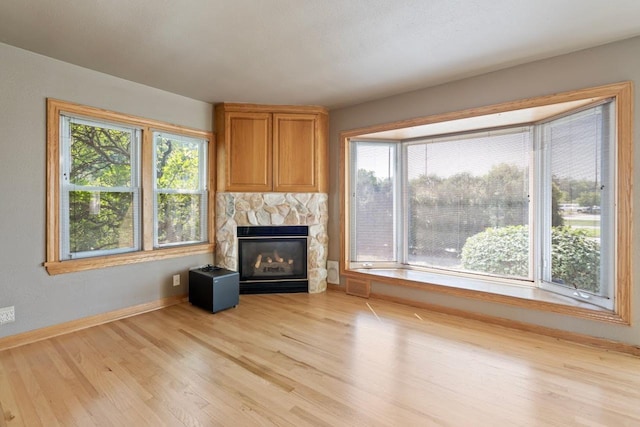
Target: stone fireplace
{"type": "Point", "coordinates": [274, 209]}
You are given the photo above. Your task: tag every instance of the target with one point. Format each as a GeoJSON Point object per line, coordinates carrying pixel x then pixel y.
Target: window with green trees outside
{"type": "Point", "coordinates": [123, 189]}
{"type": "Point", "coordinates": [536, 203]}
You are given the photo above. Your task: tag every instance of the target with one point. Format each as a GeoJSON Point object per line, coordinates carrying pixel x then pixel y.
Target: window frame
{"type": "Point", "coordinates": [538, 299]}
{"type": "Point", "coordinates": [398, 222]}
{"type": "Point", "coordinates": [607, 218]}
{"type": "Point", "coordinates": [54, 263]}
{"type": "Point", "coordinates": [66, 187]}
{"type": "Point", "coordinates": [202, 190]}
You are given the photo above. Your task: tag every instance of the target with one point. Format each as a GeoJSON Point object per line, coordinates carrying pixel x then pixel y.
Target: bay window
{"type": "Point", "coordinates": [535, 196]}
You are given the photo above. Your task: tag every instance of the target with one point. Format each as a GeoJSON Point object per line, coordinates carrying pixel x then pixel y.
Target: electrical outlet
{"type": "Point", "coordinates": [176, 280]}
{"type": "Point", "coordinates": [7, 315]}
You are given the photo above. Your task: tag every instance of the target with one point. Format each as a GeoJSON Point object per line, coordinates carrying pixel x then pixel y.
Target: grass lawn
{"type": "Point", "coordinates": [590, 226]}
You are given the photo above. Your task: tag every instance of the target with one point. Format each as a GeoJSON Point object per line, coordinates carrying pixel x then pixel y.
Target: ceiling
{"type": "Point", "coordinates": [333, 53]}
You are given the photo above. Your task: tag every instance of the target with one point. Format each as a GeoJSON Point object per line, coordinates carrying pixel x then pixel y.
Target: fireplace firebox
{"type": "Point", "coordinates": [273, 259]}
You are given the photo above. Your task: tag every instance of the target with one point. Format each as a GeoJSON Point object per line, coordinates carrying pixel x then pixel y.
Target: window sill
{"type": "Point", "coordinates": [487, 290]}
{"type": "Point", "coordinates": [71, 266]}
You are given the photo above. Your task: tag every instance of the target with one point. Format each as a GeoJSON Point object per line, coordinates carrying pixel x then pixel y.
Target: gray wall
{"type": "Point", "coordinates": [40, 300]}
{"type": "Point", "coordinates": [593, 67]}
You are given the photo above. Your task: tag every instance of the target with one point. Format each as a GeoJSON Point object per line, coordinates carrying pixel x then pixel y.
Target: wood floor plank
{"type": "Point", "coordinates": [313, 360]}
{"type": "Point", "coordinates": [6, 396]}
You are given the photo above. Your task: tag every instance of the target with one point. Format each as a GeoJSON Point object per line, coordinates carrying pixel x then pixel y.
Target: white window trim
{"type": "Point", "coordinates": [607, 227]}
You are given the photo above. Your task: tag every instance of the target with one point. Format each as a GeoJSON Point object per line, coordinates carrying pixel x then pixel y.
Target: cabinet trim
{"type": "Point", "coordinates": [259, 108]}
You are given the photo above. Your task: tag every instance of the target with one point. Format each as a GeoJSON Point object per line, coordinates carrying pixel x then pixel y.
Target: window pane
{"type": "Point", "coordinates": [178, 163]}
{"type": "Point", "coordinates": [577, 163]}
{"type": "Point", "coordinates": [468, 203]}
{"type": "Point", "coordinates": [100, 221]}
{"type": "Point", "coordinates": [178, 218]}
{"type": "Point", "coordinates": [374, 225]}
{"type": "Point", "coordinates": [180, 189]}
{"type": "Point", "coordinates": [100, 156]}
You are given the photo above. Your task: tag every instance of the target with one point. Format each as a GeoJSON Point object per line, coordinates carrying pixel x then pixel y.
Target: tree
{"type": "Point", "coordinates": [556, 196]}
{"type": "Point", "coordinates": [178, 210]}
{"type": "Point", "coordinates": [444, 212]}
{"type": "Point", "coordinates": [589, 198]}
{"type": "Point", "coordinates": [100, 158]}
{"type": "Point", "coordinates": [581, 191]}
{"type": "Point", "coordinates": [101, 205]}
{"type": "Point", "coordinates": [374, 214]}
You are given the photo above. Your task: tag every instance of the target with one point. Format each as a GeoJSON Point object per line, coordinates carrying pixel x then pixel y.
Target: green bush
{"type": "Point", "coordinates": [575, 259]}
{"type": "Point", "coordinates": [502, 250]}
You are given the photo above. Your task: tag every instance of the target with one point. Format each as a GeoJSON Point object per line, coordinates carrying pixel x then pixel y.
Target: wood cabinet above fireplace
{"type": "Point", "coordinates": [266, 148]}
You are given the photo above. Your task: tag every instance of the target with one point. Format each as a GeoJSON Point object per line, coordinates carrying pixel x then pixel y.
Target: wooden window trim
{"type": "Point", "coordinates": [53, 263]}
{"type": "Point", "coordinates": [623, 94]}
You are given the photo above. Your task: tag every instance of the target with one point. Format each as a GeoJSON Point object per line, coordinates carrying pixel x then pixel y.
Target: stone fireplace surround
{"type": "Point", "coordinates": [247, 209]}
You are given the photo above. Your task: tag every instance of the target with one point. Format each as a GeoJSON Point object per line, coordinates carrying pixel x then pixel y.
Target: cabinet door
{"type": "Point", "coordinates": [295, 152]}
{"type": "Point", "coordinates": [249, 151]}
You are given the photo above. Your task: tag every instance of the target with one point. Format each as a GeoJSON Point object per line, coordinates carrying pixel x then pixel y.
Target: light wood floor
{"type": "Point", "coordinates": [321, 360]}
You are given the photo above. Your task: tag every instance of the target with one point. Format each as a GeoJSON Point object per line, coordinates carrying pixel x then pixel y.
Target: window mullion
{"type": "Point", "coordinates": [541, 228]}
{"type": "Point", "coordinates": [353, 173]}
{"type": "Point", "coordinates": [65, 171]}
{"type": "Point", "coordinates": [401, 213]}
{"type": "Point", "coordinates": [148, 186]}
{"type": "Point", "coordinates": [203, 190]}
{"type": "Point", "coordinates": [608, 196]}
{"type": "Point", "coordinates": [136, 181]}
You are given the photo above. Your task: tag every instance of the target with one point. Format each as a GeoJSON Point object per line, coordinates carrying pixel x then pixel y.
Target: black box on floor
{"type": "Point", "coordinates": [214, 288]}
